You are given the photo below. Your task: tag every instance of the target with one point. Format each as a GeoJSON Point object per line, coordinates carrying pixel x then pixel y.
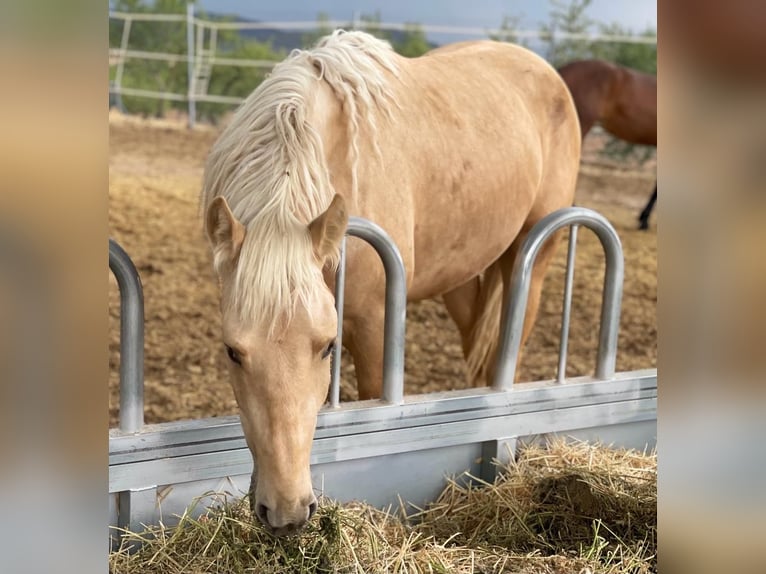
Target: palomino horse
{"type": "Point", "coordinates": [622, 100]}
{"type": "Point", "coordinates": [455, 154]}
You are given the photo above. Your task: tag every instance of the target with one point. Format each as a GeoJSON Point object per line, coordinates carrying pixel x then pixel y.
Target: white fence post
{"type": "Point", "coordinates": [121, 61]}
{"type": "Point", "coordinates": [190, 63]}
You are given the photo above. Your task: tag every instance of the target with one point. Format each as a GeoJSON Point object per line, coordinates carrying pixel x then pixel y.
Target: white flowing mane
{"type": "Point", "coordinates": [269, 165]}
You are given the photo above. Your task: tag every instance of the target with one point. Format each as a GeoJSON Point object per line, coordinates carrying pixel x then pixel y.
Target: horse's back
{"type": "Point", "coordinates": [489, 70]}
{"type": "Point", "coordinates": [498, 89]}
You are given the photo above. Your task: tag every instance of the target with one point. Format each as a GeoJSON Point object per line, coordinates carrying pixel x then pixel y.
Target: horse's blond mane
{"type": "Point", "coordinates": [269, 165]}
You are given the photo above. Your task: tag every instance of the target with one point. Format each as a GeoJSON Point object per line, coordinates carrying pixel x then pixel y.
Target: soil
{"type": "Point", "coordinates": [155, 177]}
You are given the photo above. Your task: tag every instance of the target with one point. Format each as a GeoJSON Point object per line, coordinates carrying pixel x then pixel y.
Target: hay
{"type": "Point", "coordinates": [569, 507]}
{"type": "Point", "coordinates": [569, 498]}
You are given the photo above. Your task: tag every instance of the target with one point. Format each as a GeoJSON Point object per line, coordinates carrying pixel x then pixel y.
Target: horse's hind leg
{"type": "Point", "coordinates": [643, 219]}
{"type": "Point", "coordinates": [479, 313]}
{"type": "Point", "coordinates": [462, 305]}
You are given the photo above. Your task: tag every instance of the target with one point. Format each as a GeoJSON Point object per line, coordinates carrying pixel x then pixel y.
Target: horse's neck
{"type": "Point", "coordinates": [632, 111]}
{"type": "Point", "coordinates": [590, 87]}
{"type": "Point", "coordinates": [329, 119]}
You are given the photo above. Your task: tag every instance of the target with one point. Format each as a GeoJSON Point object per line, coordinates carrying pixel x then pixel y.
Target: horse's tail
{"type": "Point", "coordinates": [486, 330]}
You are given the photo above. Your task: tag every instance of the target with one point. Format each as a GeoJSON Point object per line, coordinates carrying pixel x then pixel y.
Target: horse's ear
{"type": "Point", "coordinates": [224, 232]}
{"type": "Point", "coordinates": [328, 229]}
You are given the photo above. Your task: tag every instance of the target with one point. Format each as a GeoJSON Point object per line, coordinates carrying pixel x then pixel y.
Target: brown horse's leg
{"type": "Point", "coordinates": [643, 219]}
{"type": "Point", "coordinates": [363, 337]}
{"type": "Point", "coordinates": [461, 304]}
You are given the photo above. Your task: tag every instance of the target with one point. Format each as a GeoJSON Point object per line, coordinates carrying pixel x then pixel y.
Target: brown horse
{"type": "Point", "coordinates": [622, 100]}
{"type": "Point", "coordinates": [456, 154]}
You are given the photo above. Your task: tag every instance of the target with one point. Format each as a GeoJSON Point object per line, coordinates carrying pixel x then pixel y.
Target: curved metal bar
{"type": "Point", "coordinates": [567, 306]}
{"type": "Point", "coordinates": [396, 305]}
{"type": "Point", "coordinates": [131, 338]}
{"type": "Point", "coordinates": [516, 304]}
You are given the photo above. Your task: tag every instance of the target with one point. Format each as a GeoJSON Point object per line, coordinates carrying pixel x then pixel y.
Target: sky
{"type": "Point", "coordinates": [636, 15]}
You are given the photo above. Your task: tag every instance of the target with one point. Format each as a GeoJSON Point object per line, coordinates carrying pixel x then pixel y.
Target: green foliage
{"type": "Point", "coordinates": [507, 31]}
{"type": "Point", "coordinates": [571, 19]}
{"type": "Point", "coordinates": [642, 57]}
{"type": "Point", "coordinates": [413, 42]}
{"type": "Point", "coordinates": [172, 77]}
{"type": "Point", "coordinates": [370, 23]}
{"type": "Point", "coordinates": [323, 29]}
{"type": "Point", "coordinates": [623, 151]}
{"type": "Point", "coordinates": [237, 81]}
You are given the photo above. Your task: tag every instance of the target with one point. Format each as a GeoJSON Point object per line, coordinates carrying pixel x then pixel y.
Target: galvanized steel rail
{"type": "Point", "coordinates": [131, 338]}
{"type": "Point", "coordinates": [396, 310]}
{"type": "Point", "coordinates": [511, 330]}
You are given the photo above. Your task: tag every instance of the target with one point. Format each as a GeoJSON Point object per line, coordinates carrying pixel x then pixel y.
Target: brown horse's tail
{"type": "Point", "coordinates": [486, 330]}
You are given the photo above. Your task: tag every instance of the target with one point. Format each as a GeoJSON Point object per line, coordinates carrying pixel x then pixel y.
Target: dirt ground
{"type": "Point", "coordinates": [155, 177]}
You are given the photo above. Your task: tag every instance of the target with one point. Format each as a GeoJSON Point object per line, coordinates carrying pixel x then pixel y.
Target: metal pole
{"type": "Point", "coordinates": [518, 294]}
{"type": "Point", "coordinates": [567, 307]}
{"type": "Point", "coordinates": [190, 63]}
{"type": "Point", "coordinates": [396, 305]}
{"type": "Point", "coordinates": [121, 63]}
{"type": "Point", "coordinates": [131, 338]}
{"type": "Point", "coordinates": [340, 282]}
{"type": "Point", "coordinates": [606, 359]}
{"type": "Point", "coordinates": [213, 43]}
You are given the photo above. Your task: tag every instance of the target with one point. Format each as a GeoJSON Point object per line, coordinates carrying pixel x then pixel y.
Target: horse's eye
{"type": "Point", "coordinates": [233, 355]}
{"type": "Point", "coordinates": [328, 349]}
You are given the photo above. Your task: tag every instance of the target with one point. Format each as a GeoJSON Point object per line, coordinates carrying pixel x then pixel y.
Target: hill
{"type": "Point", "coordinates": [282, 39]}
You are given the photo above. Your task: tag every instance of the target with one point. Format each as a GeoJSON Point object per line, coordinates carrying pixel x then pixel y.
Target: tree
{"type": "Point", "coordinates": [323, 29]}
{"type": "Point", "coordinates": [571, 19]}
{"type": "Point", "coordinates": [370, 23]}
{"type": "Point", "coordinates": [641, 57]}
{"type": "Point", "coordinates": [413, 42]}
{"type": "Point", "coordinates": [507, 31]}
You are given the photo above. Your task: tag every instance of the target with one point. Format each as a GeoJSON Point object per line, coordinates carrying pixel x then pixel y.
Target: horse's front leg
{"type": "Point", "coordinates": [363, 336]}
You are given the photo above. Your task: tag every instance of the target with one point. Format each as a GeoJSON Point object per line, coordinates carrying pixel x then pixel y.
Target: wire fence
{"type": "Point", "coordinates": [202, 50]}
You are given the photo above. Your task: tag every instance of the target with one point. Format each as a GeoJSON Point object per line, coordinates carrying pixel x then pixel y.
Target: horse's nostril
{"type": "Point", "coordinates": [261, 511]}
{"type": "Point", "coordinates": [312, 509]}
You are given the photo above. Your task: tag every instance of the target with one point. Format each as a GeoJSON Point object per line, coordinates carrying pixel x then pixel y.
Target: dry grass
{"type": "Point", "coordinates": [570, 499]}
{"type": "Point", "coordinates": [569, 507]}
